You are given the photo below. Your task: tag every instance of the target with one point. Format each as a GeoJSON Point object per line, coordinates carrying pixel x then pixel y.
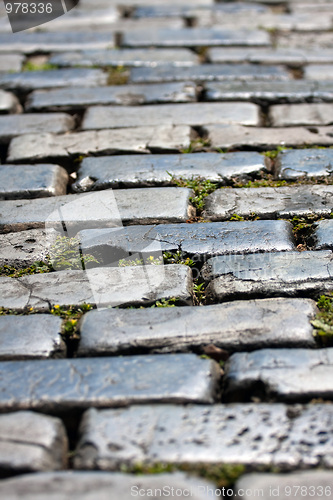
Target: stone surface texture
{"type": "Point", "coordinates": [23, 248]}
{"type": "Point", "coordinates": [295, 164]}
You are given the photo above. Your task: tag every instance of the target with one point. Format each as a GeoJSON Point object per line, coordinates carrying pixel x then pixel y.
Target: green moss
{"type": "Point", "coordinates": [117, 76]}
{"type": "Point", "coordinates": [201, 187]}
{"type": "Point", "coordinates": [197, 145]}
{"type": "Point", "coordinates": [303, 228]}
{"type": "Point", "coordinates": [165, 303]}
{"type": "Point", "coordinates": [177, 258]}
{"type": "Point", "coordinates": [323, 323]}
{"type": "Point", "coordinates": [272, 154]}
{"type": "Point", "coordinates": [30, 66]}
{"type": "Point", "coordinates": [35, 268]}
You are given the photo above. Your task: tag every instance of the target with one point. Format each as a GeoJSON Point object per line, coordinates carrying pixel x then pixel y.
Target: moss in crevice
{"type": "Point", "coordinates": [323, 323]}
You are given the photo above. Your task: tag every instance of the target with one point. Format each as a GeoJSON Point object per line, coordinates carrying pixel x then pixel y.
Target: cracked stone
{"type": "Point", "coordinates": [73, 77]}
{"type": "Point", "coordinates": [283, 374]}
{"type": "Point", "coordinates": [15, 125]}
{"type": "Point", "coordinates": [31, 337]}
{"type": "Point", "coordinates": [301, 484]}
{"type": "Point", "coordinates": [266, 275]}
{"type": "Point", "coordinates": [286, 115]}
{"type": "Point", "coordinates": [195, 37]}
{"type": "Point", "coordinates": [31, 442]}
{"type": "Point", "coordinates": [11, 62]}
{"type": "Point", "coordinates": [107, 208]}
{"type": "Point", "coordinates": [200, 240]}
{"type": "Point", "coordinates": [9, 103]}
{"type": "Point", "coordinates": [234, 136]}
{"type": "Point", "coordinates": [80, 485]}
{"type": "Point", "coordinates": [285, 201]}
{"type": "Point", "coordinates": [104, 286]}
{"type": "Point", "coordinates": [298, 163]}
{"type": "Point", "coordinates": [79, 98]}
{"type": "Point", "coordinates": [47, 147]}
{"type": "Point", "coordinates": [32, 181]}
{"type": "Point", "coordinates": [23, 248]}
{"type": "Point", "coordinates": [126, 57]}
{"type": "Point", "coordinates": [324, 235]}
{"type": "Point", "coordinates": [101, 117]}
{"type": "Point", "coordinates": [255, 435]}
{"type": "Point", "coordinates": [208, 72]}
{"type": "Point", "coordinates": [74, 384]}
{"type": "Point", "coordinates": [155, 170]}
{"type": "Point", "coordinates": [243, 325]}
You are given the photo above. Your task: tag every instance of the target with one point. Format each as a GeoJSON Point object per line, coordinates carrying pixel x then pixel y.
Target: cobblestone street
{"type": "Point", "coordinates": [166, 238]}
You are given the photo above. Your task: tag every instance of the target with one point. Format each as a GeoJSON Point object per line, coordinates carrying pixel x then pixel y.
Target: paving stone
{"type": "Point", "coordinates": [31, 442]}
{"type": "Point", "coordinates": [264, 55]}
{"type": "Point", "coordinates": [104, 286]}
{"type": "Point", "coordinates": [286, 115]}
{"type": "Point", "coordinates": [305, 41]}
{"type": "Point", "coordinates": [284, 374]}
{"type": "Point", "coordinates": [285, 201]}
{"type": "Point", "coordinates": [267, 275]}
{"type": "Point", "coordinates": [9, 103]}
{"type": "Point", "coordinates": [79, 485]}
{"type": "Point", "coordinates": [184, 10]}
{"type": "Point", "coordinates": [298, 163]}
{"type": "Point", "coordinates": [302, 485]}
{"type": "Point", "coordinates": [251, 434]}
{"type": "Point", "coordinates": [319, 72]}
{"type": "Point", "coordinates": [15, 125]}
{"type": "Point", "coordinates": [242, 325]}
{"type": "Point", "coordinates": [79, 98]}
{"type": "Point", "coordinates": [208, 72]}
{"type": "Point", "coordinates": [101, 117]}
{"type": "Point", "coordinates": [126, 57]}
{"type": "Point", "coordinates": [32, 181]}
{"type": "Point", "coordinates": [32, 80]}
{"type": "Point", "coordinates": [324, 235]}
{"type": "Point", "coordinates": [31, 337]}
{"type": "Point", "coordinates": [23, 248]}
{"type": "Point", "coordinates": [72, 384]}
{"type": "Point", "coordinates": [45, 147]}
{"type": "Point", "coordinates": [235, 136]}
{"type": "Point", "coordinates": [201, 240]}
{"type": "Point", "coordinates": [153, 170]}
{"type": "Point", "coordinates": [78, 20]}
{"type": "Point", "coordinates": [11, 62]}
{"type": "Point", "coordinates": [195, 37]}
{"type": "Point", "coordinates": [269, 92]}
{"type": "Point", "coordinates": [107, 208]}
{"type": "Point", "coordinates": [41, 42]}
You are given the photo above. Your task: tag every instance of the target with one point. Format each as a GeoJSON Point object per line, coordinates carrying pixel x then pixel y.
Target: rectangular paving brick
{"type": "Point", "coordinates": [82, 21]}
{"type": "Point", "coordinates": [79, 98]}
{"type": "Point", "coordinates": [104, 286]}
{"type": "Point", "coordinates": [284, 374]}
{"type": "Point", "coordinates": [107, 208]}
{"type": "Point", "coordinates": [299, 163]}
{"type": "Point", "coordinates": [264, 55]}
{"type": "Point", "coordinates": [269, 202]}
{"type": "Point", "coordinates": [208, 73]}
{"type": "Point", "coordinates": [55, 148]}
{"type": "Point", "coordinates": [154, 170]}
{"type": "Point", "coordinates": [31, 337]}
{"type": "Point", "coordinates": [73, 384]}
{"type": "Point", "coordinates": [195, 37]}
{"type": "Point", "coordinates": [23, 248]}
{"type": "Point", "coordinates": [201, 240]}
{"type": "Point", "coordinates": [251, 434]}
{"type": "Point", "coordinates": [125, 57]}
{"type": "Point", "coordinates": [72, 77]}
{"type": "Point", "coordinates": [32, 181]}
{"type": "Point", "coordinates": [29, 43]}
{"type": "Point", "coordinates": [319, 72]}
{"type": "Point", "coordinates": [79, 485]}
{"type": "Point", "coordinates": [31, 442]}
{"type": "Point", "coordinates": [9, 103]}
{"type": "Point", "coordinates": [323, 235]}
{"type": "Point", "coordinates": [234, 136]}
{"type": "Point", "coordinates": [102, 117]}
{"type": "Point", "coordinates": [268, 275]}
{"type": "Point", "coordinates": [11, 62]}
{"type": "Point", "coordinates": [243, 325]}
{"type": "Point", "coordinates": [15, 125]}
{"type": "Point", "coordinates": [286, 115]}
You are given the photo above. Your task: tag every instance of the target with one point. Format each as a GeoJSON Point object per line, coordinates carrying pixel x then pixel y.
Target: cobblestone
{"type": "Point", "coordinates": [286, 115]}
{"type": "Point", "coordinates": [232, 326]}
{"type": "Point", "coordinates": [153, 170]}
{"type": "Point", "coordinates": [275, 274]}
{"type": "Point", "coordinates": [324, 235]}
{"type": "Point", "coordinates": [11, 62]}
{"type": "Point", "coordinates": [16, 125]}
{"type": "Point", "coordinates": [107, 382]}
{"type": "Point", "coordinates": [102, 117]}
{"type": "Point", "coordinates": [9, 103]}
{"type": "Point", "coordinates": [45, 147]}
{"type": "Point", "coordinates": [32, 337]}
{"type": "Point", "coordinates": [32, 442]}
{"type": "Point", "coordinates": [309, 163]}
{"type": "Point", "coordinates": [23, 248]}
{"type": "Point", "coordinates": [283, 374]}
{"type": "Point", "coordinates": [263, 55]}
{"type": "Point", "coordinates": [252, 434]}
{"type": "Point", "coordinates": [79, 98]}
{"type": "Point", "coordinates": [319, 72]}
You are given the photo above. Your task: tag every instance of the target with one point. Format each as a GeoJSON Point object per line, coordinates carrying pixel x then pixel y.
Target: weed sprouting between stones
{"type": "Point", "coordinates": [323, 323]}
{"type": "Point", "coordinates": [197, 145]}
{"type": "Point", "coordinates": [118, 75]}
{"type": "Point", "coordinates": [200, 186]}
{"type": "Point", "coordinates": [30, 66]}
{"type": "Point", "coordinates": [70, 316]}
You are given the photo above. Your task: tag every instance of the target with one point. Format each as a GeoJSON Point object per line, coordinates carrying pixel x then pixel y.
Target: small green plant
{"type": "Point", "coordinates": [30, 66]}
{"type": "Point", "coordinates": [237, 217]}
{"type": "Point", "coordinates": [118, 75]}
{"type": "Point", "coordinates": [66, 254]}
{"type": "Point", "coordinates": [199, 293]}
{"type": "Point", "coordinates": [71, 316]}
{"type": "Point", "coordinates": [35, 268]}
{"type": "Point", "coordinates": [177, 258]}
{"type": "Point", "coordinates": [272, 154]}
{"type": "Point", "coordinates": [323, 323]}
{"type": "Point", "coordinates": [196, 145]}
{"type": "Point", "coordinates": [303, 228]}
{"type": "Point", "coordinates": [165, 303]}
{"type": "Point", "coordinates": [201, 187]}
{"type": "Point", "coordinates": [150, 261]}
